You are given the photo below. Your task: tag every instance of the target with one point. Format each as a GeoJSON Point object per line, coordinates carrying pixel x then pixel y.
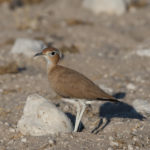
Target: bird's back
{"type": "Point", "coordinates": [69, 83]}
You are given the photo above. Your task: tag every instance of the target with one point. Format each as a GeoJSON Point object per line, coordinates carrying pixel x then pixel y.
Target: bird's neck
{"type": "Point", "coordinates": [50, 65]}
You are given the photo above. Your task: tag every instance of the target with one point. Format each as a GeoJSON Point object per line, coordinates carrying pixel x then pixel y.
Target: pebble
{"type": "Point", "coordinates": [111, 138]}
{"type": "Point", "coordinates": [66, 108]}
{"type": "Point", "coordinates": [141, 105]}
{"type": "Point", "coordinates": [106, 89]}
{"type": "Point", "coordinates": [110, 148]}
{"type": "Point", "coordinates": [1, 141]}
{"type": "Point", "coordinates": [1, 90]}
{"type": "Point", "coordinates": [114, 143]}
{"type": "Point", "coordinates": [11, 142]}
{"type": "Point", "coordinates": [130, 147]}
{"type": "Point", "coordinates": [11, 130]}
{"type": "Point", "coordinates": [24, 140]}
{"type": "Point", "coordinates": [131, 86]}
{"type": "Point", "coordinates": [143, 52]}
{"type": "Point", "coordinates": [6, 123]}
{"type": "Point", "coordinates": [135, 138]}
{"type": "Point", "coordinates": [52, 142]}
{"type": "Point", "coordinates": [117, 7]}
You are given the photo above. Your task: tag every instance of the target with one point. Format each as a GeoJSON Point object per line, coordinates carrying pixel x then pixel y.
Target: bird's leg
{"type": "Point", "coordinates": [80, 110]}
{"type": "Point", "coordinates": [79, 116]}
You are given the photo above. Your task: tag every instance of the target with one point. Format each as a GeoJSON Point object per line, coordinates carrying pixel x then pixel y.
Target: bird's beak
{"type": "Point", "coordinates": [38, 54]}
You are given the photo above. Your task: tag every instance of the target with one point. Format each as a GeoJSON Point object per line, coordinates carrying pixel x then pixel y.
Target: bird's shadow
{"type": "Point", "coordinates": [120, 110]}
{"type": "Point", "coordinates": [73, 119]}
{"type": "Point", "coordinates": [119, 95]}
{"type": "Point", "coordinates": [21, 69]}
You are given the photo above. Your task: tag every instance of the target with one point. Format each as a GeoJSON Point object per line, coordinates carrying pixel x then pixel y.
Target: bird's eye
{"type": "Point", "coordinates": [52, 53]}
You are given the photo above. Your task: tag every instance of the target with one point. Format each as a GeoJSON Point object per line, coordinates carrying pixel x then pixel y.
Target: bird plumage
{"type": "Point", "coordinates": [69, 83]}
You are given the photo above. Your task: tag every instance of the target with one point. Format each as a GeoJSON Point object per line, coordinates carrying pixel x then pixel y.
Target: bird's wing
{"type": "Point", "coordinates": [69, 83]}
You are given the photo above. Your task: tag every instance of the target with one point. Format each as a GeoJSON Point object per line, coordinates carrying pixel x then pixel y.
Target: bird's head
{"type": "Point", "coordinates": [51, 54]}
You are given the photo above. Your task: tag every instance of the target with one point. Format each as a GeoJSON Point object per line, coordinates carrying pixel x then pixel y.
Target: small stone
{"type": "Point", "coordinates": [130, 147]}
{"type": "Point", "coordinates": [117, 7]}
{"type": "Point", "coordinates": [28, 47]}
{"type": "Point", "coordinates": [1, 141]}
{"type": "Point", "coordinates": [135, 138]}
{"type": "Point", "coordinates": [131, 86]}
{"type": "Point", "coordinates": [6, 123]}
{"type": "Point", "coordinates": [106, 89]}
{"type": "Point", "coordinates": [66, 108]}
{"type": "Point", "coordinates": [114, 143]}
{"type": "Point", "coordinates": [143, 52]}
{"type": "Point", "coordinates": [100, 54]}
{"type": "Point", "coordinates": [111, 138]}
{"type": "Point", "coordinates": [11, 142]}
{"type": "Point", "coordinates": [110, 148]}
{"type": "Point", "coordinates": [141, 105]}
{"type": "Point", "coordinates": [11, 130]}
{"type": "Point", "coordinates": [24, 140]}
{"type": "Point", "coordinates": [42, 117]}
{"type": "Point", "coordinates": [52, 142]}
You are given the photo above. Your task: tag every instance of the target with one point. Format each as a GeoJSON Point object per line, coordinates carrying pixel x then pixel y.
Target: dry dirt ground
{"type": "Point", "coordinates": [100, 46]}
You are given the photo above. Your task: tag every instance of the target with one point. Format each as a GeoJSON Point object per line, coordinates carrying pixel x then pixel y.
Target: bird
{"type": "Point", "coordinates": [71, 85]}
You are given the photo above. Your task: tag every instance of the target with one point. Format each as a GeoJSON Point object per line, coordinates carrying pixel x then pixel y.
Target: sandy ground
{"type": "Point", "coordinates": [105, 51]}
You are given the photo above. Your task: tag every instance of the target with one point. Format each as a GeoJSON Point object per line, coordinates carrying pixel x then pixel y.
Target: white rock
{"type": "Point", "coordinates": [106, 89]}
{"type": "Point", "coordinates": [28, 47]}
{"type": "Point", "coordinates": [141, 105]}
{"type": "Point", "coordinates": [52, 142]}
{"type": "Point", "coordinates": [117, 7]}
{"type": "Point", "coordinates": [6, 123]}
{"type": "Point", "coordinates": [111, 138]}
{"type": "Point", "coordinates": [1, 141]}
{"type": "Point", "coordinates": [24, 140]}
{"type": "Point", "coordinates": [131, 86]}
{"type": "Point", "coordinates": [113, 143]}
{"type": "Point", "coordinates": [130, 147]}
{"type": "Point", "coordinates": [144, 52]}
{"type": "Point", "coordinates": [41, 117]}
{"type": "Point", "coordinates": [11, 130]}
{"type": "Point", "coordinates": [110, 148]}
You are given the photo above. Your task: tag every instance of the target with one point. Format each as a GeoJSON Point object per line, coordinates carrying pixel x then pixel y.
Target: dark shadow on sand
{"type": "Point", "coordinates": [119, 95]}
{"type": "Point", "coordinates": [73, 119]}
{"type": "Point", "coordinates": [120, 110]}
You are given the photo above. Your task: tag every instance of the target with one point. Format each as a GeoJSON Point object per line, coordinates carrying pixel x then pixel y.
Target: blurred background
{"type": "Point", "coordinates": [107, 40]}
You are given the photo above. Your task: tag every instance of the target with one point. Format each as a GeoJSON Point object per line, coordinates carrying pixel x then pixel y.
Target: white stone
{"type": "Point", "coordinates": [141, 105]}
{"type": "Point", "coordinates": [117, 7]}
{"type": "Point", "coordinates": [106, 89]}
{"type": "Point", "coordinates": [110, 148]}
{"type": "Point", "coordinates": [24, 140]}
{"type": "Point", "coordinates": [28, 47]}
{"type": "Point", "coordinates": [131, 86]}
{"type": "Point", "coordinates": [113, 143]}
{"type": "Point", "coordinates": [1, 141]}
{"type": "Point", "coordinates": [130, 147]}
{"type": "Point", "coordinates": [52, 142]}
{"type": "Point", "coordinates": [11, 130]}
{"type": "Point", "coordinates": [42, 117]}
{"type": "Point", "coordinates": [6, 123]}
{"type": "Point", "coordinates": [144, 52]}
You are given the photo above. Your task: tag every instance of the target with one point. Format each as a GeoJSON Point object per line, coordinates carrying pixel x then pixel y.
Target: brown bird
{"type": "Point", "coordinates": [71, 85]}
